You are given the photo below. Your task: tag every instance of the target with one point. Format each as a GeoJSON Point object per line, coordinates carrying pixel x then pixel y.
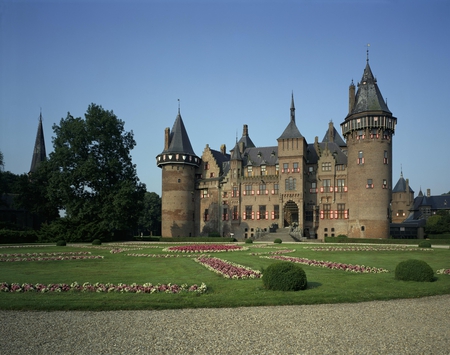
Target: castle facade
{"type": "Point", "coordinates": [339, 185]}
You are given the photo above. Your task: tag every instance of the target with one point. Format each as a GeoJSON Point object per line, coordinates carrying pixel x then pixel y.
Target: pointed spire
{"type": "Point", "coordinates": [39, 154]}
{"type": "Point", "coordinates": [291, 130]}
{"type": "Point", "coordinates": [368, 96]}
{"type": "Point", "coordinates": [367, 54]}
{"type": "Point", "coordinates": [292, 107]}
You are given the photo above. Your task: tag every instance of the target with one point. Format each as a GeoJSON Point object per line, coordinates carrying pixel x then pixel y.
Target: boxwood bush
{"type": "Point", "coordinates": [284, 276]}
{"type": "Point", "coordinates": [414, 270]}
{"type": "Point", "coordinates": [96, 242]}
{"type": "Point", "coordinates": [249, 241]}
{"type": "Point", "coordinates": [424, 244]}
{"type": "Point", "coordinates": [277, 241]}
{"type": "Point", "coordinates": [61, 243]}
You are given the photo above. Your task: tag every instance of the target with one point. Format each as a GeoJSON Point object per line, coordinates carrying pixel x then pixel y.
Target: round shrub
{"type": "Point", "coordinates": [249, 241]}
{"type": "Point", "coordinates": [414, 270]}
{"type": "Point", "coordinates": [96, 242]}
{"type": "Point", "coordinates": [284, 276]}
{"type": "Point", "coordinates": [61, 243]}
{"type": "Point", "coordinates": [277, 241]}
{"type": "Point", "coordinates": [425, 244]}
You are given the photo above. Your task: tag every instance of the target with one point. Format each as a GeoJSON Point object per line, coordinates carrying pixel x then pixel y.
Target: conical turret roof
{"type": "Point", "coordinates": [291, 130]}
{"type": "Point", "coordinates": [368, 96]}
{"type": "Point", "coordinates": [179, 139]}
{"type": "Point", "coordinates": [39, 154]}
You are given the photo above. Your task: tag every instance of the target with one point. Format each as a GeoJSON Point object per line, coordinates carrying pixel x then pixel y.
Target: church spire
{"type": "Point", "coordinates": [292, 108]}
{"type": "Point", "coordinates": [39, 154]}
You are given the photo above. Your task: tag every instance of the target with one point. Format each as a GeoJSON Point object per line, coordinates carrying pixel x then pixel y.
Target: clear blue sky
{"type": "Point", "coordinates": [230, 63]}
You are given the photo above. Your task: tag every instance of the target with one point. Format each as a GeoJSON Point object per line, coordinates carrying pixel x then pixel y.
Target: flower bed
{"type": "Point", "coordinates": [329, 264]}
{"type": "Point", "coordinates": [21, 255]}
{"type": "Point", "coordinates": [165, 255]}
{"type": "Point", "coordinates": [382, 248]}
{"type": "Point", "coordinates": [205, 248]}
{"type": "Point", "coordinates": [99, 287]}
{"type": "Point", "coordinates": [53, 258]}
{"type": "Point", "coordinates": [274, 252]}
{"type": "Point", "coordinates": [443, 272]}
{"type": "Point", "coordinates": [228, 269]}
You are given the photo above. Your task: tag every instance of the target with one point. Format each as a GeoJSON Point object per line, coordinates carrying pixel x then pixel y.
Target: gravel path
{"type": "Point", "coordinates": [412, 326]}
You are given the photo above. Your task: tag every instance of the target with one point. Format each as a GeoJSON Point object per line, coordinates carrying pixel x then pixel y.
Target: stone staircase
{"type": "Point", "coordinates": [281, 233]}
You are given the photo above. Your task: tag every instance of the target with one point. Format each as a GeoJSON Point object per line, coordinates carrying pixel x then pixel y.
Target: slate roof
{"type": "Point", "coordinates": [368, 96]}
{"type": "Point", "coordinates": [236, 153]}
{"type": "Point", "coordinates": [337, 138]}
{"type": "Point", "coordinates": [39, 154]}
{"type": "Point", "coordinates": [248, 143]}
{"type": "Point", "coordinates": [179, 139]}
{"type": "Point", "coordinates": [257, 156]}
{"type": "Point", "coordinates": [400, 186]}
{"type": "Point", "coordinates": [436, 203]}
{"type": "Point", "coordinates": [291, 131]}
{"type": "Point", "coordinates": [220, 157]}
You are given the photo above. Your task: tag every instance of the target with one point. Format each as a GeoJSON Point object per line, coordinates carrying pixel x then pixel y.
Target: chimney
{"type": "Point", "coordinates": [166, 138]}
{"type": "Point", "coordinates": [241, 147]}
{"type": "Point", "coordinates": [351, 98]}
{"type": "Point", "coordinates": [245, 131]}
{"type": "Point", "coordinates": [223, 149]}
{"type": "Point", "coordinates": [316, 145]}
{"type": "Point", "coordinates": [330, 132]}
{"type": "Point", "coordinates": [428, 192]}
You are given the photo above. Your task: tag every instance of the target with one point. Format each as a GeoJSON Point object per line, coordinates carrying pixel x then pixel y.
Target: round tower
{"type": "Point", "coordinates": [179, 164]}
{"type": "Point", "coordinates": [368, 130]}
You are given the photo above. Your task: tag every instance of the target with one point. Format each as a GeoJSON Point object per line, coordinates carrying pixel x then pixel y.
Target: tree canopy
{"type": "Point", "coordinates": [92, 177]}
{"type": "Point", "coordinates": [150, 220]}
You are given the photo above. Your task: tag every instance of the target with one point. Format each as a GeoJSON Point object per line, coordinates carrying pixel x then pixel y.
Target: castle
{"type": "Point", "coordinates": [340, 185]}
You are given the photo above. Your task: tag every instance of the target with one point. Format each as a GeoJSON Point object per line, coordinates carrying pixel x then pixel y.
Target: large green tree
{"type": "Point", "coordinates": [150, 220]}
{"type": "Point", "coordinates": [92, 177]}
{"type": "Point", "coordinates": [33, 196]}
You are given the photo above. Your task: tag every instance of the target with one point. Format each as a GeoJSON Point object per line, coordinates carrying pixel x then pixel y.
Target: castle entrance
{"type": "Point", "coordinates": [290, 213]}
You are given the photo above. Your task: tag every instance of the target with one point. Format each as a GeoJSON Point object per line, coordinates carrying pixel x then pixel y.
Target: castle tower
{"type": "Point", "coordinates": [402, 200]}
{"type": "Point", "coordinates": [179, 164]}
{"type": "Point", "coordinates": [39, 154]}
{"type": "Point", "coordinates": [292, 162]}
{"type": "Point", "coordinates": [368, 130]}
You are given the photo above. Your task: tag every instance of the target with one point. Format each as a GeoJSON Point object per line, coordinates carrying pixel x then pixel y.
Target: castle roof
{"type": "Point", "coordinates": [435, 203]}
{"type": "Point", "coordinates": [236, 153]}
{"type": "Point", "coordinates": [39, 154]}
{"type": "Point", "coordinates": [257, 156]}
{"type": "Point", "coordinates": [291, 130]}
{"type": "Point", "coordinates": [368, 96]}
{"type": "Point", "coordinates": [179, 139]}
{"type": "Point", "coordinates": [401, 184]}
{"type": "Point", "coordinates": [336, 137]}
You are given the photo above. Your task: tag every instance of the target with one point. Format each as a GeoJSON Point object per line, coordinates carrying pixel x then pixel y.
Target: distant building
{"type": "Point", "coordinates": [340, 185]}
{"type": "Point", "coordinates": [9, 213]}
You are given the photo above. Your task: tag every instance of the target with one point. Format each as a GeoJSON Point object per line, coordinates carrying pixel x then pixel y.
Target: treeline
{"type": "Point", "coordinates": [87, 188]}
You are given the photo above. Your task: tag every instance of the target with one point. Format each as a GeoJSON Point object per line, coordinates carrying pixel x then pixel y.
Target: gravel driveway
{"type": "Point", "coordinates": [411, 326]}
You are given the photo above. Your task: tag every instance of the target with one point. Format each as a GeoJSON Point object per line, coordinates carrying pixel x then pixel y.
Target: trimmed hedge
{"type": "Point", "coordinates": [248, 241]}
{"type": "Point", "coordinates": [13, 236]}
{"type": "Point", "coordinates": [198, 239]}
{"type": "Point", "coordinates": [61, 243]}
{"type": "Point", "coordinates": [284, 276]}
{"type": "Point", "coordinates": [414, 270]}
{"type": "Point", "coordinates": [96, 242]}
{"type": "Point", "coordinates": [277, 241]}
{"type": "Point", "coordinates": [383, 241]}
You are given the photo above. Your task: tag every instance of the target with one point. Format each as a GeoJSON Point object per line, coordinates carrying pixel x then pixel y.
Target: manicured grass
{"type": "Point", "coordinates": [324, 285]}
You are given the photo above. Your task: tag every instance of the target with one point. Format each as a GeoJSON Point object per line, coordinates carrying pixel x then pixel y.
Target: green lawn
{"type": "Point", "coordinates": [324, 285]}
